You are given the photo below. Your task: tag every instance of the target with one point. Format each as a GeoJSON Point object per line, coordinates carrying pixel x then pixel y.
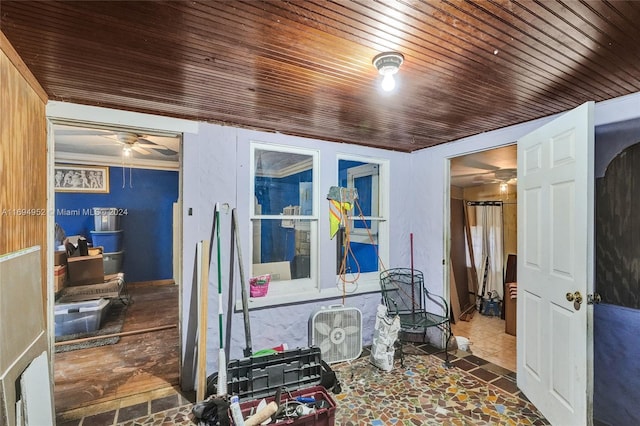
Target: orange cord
{"type": "Point", "coordinates": [347, 250]}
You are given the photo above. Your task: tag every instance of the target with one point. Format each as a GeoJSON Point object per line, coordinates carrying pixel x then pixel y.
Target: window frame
{"type": "Point", "coordinates": [371, 279]}
{"type": "Point", "coordinates": [280, 291]}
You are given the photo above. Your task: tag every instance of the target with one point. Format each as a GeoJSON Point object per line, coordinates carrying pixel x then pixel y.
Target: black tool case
{"type": "Point", "coordinates": [259, 377]}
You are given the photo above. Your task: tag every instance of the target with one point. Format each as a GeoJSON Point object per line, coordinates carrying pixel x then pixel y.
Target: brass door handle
{"type": "Point", "coordinates": [576, 298]}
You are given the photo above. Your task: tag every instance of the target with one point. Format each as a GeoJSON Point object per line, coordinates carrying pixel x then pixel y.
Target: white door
{"type": "Point", "coordinates": [555, 260]}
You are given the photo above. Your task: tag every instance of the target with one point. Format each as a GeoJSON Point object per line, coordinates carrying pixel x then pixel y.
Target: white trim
{"type": "Point", "coordinates": [617, 109]}
{"type": "Point", "coordinates": [49, 254]}
{"type": "Point", "coordinates": [364, 287]}
{"type": "Point", "coordinates": [91, 114]}
{"type": "Point", "coordinates": [304, 288]}
{"type": "Point", "coordinates": [357, 172]}
{"type": "Point", "coordinates": [383, 195]}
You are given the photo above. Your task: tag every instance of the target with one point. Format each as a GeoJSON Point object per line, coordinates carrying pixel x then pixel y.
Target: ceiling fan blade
{"type": "Point", "coordinates": [165, 151]}
{"type": "Point", "coordinates": [144, 140]}
{"type": "Point", "coordinates": [147, 143]}
{"type": "Point", "coordinates": [506, 174]}
{"type": "Point", "coordinates": [140, 150]}
{"type": "Point", "coordinates": [103, 141]}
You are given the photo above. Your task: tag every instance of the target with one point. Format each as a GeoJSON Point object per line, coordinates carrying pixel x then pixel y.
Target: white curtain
{"type": "Point", "coordinates": [486, 237]}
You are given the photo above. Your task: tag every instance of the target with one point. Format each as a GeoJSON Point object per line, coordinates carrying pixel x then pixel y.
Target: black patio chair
{"type": "Point", "coordinates": [404, 294]}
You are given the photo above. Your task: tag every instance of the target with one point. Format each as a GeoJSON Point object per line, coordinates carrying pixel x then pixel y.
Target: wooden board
{"type": "Point", "coordinates": [22, 329]}
{"type": "Point", "coordinates": [203, 292]}
{"type": "Point", "coordinates": [36, 393]}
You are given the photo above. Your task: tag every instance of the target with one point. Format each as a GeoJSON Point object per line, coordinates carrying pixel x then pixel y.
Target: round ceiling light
{"type": "Point", "coordinates": [387, 64]}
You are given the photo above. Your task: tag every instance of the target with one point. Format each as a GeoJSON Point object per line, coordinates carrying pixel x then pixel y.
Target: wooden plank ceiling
{"type": "Point", "coordinates": [304, 67]}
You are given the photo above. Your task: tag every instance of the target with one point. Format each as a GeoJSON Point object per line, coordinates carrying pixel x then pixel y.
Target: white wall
{"type": "Point", "coordinates": [217, 169]}
{"type": "Point", "coordinates": [431, 168]}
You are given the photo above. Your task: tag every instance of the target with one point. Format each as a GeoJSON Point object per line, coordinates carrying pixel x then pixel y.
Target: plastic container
{"type": "Point", "coordinates": [112, 262]}
{"type": "Point", "coordinates": [79, 317]}
{"type": "Point", "coordinates": [106, 218]}
{"type": "Point", "coordinates": [318, 417]}
{"type": "Point", "coordinates": [111, 241]}
{"type": "Point", "coordinates": [258, 286]}
{"type": "Point", "coordinates": [251, 378]}
{"type": "Point", "coordinates": [463, 343]}
{"type": "Point", "coordinates": [236, 412]}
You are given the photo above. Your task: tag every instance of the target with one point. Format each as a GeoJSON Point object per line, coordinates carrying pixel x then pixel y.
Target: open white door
{"type": "Point", "coordinates": [555, 263]}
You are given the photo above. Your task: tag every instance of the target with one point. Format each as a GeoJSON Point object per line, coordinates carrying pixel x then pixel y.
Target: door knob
{"type": "Point", "coordinates": [576, 298]}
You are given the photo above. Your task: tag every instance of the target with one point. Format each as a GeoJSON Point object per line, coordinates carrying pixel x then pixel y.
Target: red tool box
{"type": "Point", "coordinates": [323, 412]}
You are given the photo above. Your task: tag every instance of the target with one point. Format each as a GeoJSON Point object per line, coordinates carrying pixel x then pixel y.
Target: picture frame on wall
{"type": "Point", "coordinates": [72, 178]}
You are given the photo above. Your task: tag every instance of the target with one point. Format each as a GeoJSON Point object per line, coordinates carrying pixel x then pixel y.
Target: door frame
{"type": "Point", "coordinates": [446, 262]}
{"type": "Point", "coordinates": [605, 112]}
{"type": "Point", "coordinates": [63, 112]}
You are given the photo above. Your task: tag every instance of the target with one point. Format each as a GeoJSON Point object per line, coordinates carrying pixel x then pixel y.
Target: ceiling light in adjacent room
{"type": "Point", "coordinates": [387, 64]}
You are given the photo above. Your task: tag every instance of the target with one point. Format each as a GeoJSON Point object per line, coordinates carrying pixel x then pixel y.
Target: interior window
{"type": "Point", "coordinates": [359, 239]}
{"type": "Point", "coordinates": [284, 214]}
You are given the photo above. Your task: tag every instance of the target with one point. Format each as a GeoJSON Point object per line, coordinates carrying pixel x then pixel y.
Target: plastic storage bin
{"type": "Point", "coordinates": [112, 262]}
{"type": "Point", "coordinates": [261, 376]}
{"type": "Point", "coordinates": [79, 317]}
{"type": "Point", "coordinates": [111, 241]}
{"type": "Point", "coordinates": [106, 218]}
{"type": "Point", "coordinates": [258, 377]}
{"type": "Point", "coordinates": [319, 417]}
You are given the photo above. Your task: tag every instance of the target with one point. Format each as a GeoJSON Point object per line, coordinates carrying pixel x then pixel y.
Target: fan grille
{"type": "Point", "coordinates": [337, 331]}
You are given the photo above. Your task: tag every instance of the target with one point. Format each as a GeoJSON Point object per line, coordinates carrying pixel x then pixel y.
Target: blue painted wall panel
{"type": "Point", "coordinates": [147, 224]}
{"type": "Point", "coordinates": [617, 365]}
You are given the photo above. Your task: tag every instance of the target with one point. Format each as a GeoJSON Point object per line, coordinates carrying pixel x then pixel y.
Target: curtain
{"type": "Point", "coordinates": [487, 245]}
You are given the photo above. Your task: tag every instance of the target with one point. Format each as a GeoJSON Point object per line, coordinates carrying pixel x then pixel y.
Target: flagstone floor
{"type": "Point", "coordinates": [423, 392]}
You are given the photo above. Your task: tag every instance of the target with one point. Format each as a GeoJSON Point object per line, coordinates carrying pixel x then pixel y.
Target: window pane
{"type": "Point", "coordinates": [361, 243]}
{"type": "Point", "coordinates": [362, 256]}
{"type": "Point", "coordinates": [282, 248]}
{"type": "Point", "coordinates": [283, 183]}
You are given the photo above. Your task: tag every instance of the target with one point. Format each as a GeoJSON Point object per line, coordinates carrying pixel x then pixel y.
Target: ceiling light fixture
{"type": "Point", "coordinates": [387, 64]}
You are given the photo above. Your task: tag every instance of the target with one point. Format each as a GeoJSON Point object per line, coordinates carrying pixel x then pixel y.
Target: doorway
{"type": "Point", "coordinates": [483, 220]}
{"type": "Point", "coordinates": [131, 345]}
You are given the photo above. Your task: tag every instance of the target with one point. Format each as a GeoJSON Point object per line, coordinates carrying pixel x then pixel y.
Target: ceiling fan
{"type": "Point", "coordinates": [130, 141]}
{"type": "Point", "coordinates": [140, 143]}
{"type": "Point", "coordinates": [497, 176]}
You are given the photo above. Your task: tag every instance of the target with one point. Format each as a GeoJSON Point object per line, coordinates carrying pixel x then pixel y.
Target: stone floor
{"type": "Point", "coordinates": [423, 392]}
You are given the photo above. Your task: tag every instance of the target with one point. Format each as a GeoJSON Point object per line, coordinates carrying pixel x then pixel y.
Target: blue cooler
{"type": "Point", "coordinates": [111, 241]}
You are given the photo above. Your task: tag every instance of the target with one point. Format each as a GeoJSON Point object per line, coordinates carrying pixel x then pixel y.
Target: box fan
{"type": "Point", "coordinates": [337, 331]}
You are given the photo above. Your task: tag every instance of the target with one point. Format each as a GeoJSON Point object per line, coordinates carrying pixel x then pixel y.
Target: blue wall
{"type": "Point", "coordinates": [147, 224]}
{"type": "Point", "coordinates": [273, 195]}
{"type": "Point", "coordinates": [616, 345]}
{"type": "Point", "coordinates": [616, 365]}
